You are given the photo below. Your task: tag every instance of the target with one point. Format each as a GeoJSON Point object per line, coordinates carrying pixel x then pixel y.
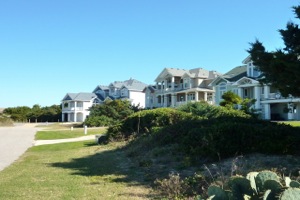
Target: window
{"type": "Point", "coordinates": [222, 89]}
{"type": "Point", "coordinates": [66, 105]}
{"type": "Point", "coordinates": [191, 97]}
{"type": "Point", "coordinates": [245, 92]}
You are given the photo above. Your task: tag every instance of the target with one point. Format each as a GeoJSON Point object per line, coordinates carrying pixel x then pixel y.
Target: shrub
{"type": "Point", "coordinates": [99, 121]}
{"type": "Point", "coordinates": [229, 136]}
{"type": "Point", "coordinates": [143, 121]}
{"type": "Point", "coordinates": [5, 121]}
{"type": "Point", "coordinates": [206, 110]}
{"type": "Point", "coordinates": [175, 187]}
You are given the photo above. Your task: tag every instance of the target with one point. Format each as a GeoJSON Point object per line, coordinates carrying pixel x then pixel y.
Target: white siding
{"type": "Point", "coordinates": [137, 98]}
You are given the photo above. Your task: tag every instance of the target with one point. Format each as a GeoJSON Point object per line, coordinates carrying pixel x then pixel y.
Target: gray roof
{"type": "Point", "coordinates": [82, 96]}
{"type": "Point", "coordinates": [101, 87]}
{"type": "Point", "coordinates": [130, 84]}
{"type": "Point", "coordinates": [193, 73]}
{"type": "Point", "coordinates": [236, 73]}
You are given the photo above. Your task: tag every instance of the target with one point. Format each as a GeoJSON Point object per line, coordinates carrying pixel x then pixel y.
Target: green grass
{"type": "Point", "coordinates": [293, 123]}
{"type": "Point", "coordinates": [79, 170]}
{"type": "Point", "coordinates": [67, 133]}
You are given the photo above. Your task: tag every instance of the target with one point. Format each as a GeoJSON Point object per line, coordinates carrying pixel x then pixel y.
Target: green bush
{"type": "Point", "coordinates": [206, 110]}
{"type": "Point", "coordinates": [228, 136]}
{"type": "Point", "coordinates": [99, 121]}
{"type": "Point", "coordinates": [143, 121]}
{"type": "Point", "coordinates": [5, 121]}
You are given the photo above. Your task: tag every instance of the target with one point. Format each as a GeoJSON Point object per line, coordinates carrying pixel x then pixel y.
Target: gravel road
{"type": "Point", "coordinates": [14, 141]}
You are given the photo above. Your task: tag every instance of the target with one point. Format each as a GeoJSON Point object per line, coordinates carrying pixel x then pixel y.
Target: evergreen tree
{"type": "Point", "coordinates": [281, 68]}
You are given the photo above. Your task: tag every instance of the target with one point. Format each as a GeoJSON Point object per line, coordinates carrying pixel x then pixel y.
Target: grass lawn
{"type": "Point", "coordinates": [293, 123]}
{"type": "Point", "coordinates": [66, 133]}
{"type": "Point", "coordinates": [79, 170]}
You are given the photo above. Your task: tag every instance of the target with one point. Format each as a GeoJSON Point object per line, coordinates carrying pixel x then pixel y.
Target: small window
{"type": "Point", "coordinates": [245, 92]}
{"type": "Point", "coordinates": [66, 105]}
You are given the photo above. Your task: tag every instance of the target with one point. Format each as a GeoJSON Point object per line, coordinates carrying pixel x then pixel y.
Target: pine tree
{"type": "Point", "coordinates": [281, 68]}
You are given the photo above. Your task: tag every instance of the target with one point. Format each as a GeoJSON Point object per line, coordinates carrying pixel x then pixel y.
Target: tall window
{"type": "Point", "coordinates": [222, 89]}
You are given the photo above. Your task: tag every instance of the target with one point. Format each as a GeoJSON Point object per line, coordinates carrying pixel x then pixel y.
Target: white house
{"type": "Point", "coordinates": [175, 87]}
{"type": "Point", "coordinates": [269, 102]}
{"type": "Point", "coordinates": [150, 96]}
{"type": "Point", "coordinates": [131, 90]}
{"type": "Point", "coordinates": [75, 106]}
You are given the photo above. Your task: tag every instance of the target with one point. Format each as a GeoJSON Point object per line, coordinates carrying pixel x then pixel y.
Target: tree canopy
{"type": "Point", "coordinates": [281, 68]}
{"type": "Point", "coordinates": [36, 113]}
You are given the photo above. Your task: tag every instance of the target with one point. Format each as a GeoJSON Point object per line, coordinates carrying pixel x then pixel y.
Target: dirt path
{"type": "Point", "coordinates": [14, 141]}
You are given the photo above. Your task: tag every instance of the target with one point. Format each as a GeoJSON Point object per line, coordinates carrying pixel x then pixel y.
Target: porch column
{"type": "Point", "coordinates": [266, 91]}
{"type": "Point", "coordinates": [165, 101]}
{"type": "Point", "coordinates": [165, 84]}
{"type": "Point", "coordinates": [69, 117]}
{"type": "Point", "coordinates": [257, 97]}
{"type": "Point", "coordinates": [75, 114]}
{"type": "Point", "coordinates": [173, 83]}
{"type": "Point", "coordinates": [63, 117]}
{"type": "Point", "coordinates": [173, 101]}
{"type": "Point", "coordinates": [240, 92]}
{"type": "Point", "coordinates": [196, 96]}
{"type": "Point", "coordinates": [186, 97]}
{"type": "Point", "coordinates": [267, 113]}
{"type": "Point", "coordinates": [205, 96]}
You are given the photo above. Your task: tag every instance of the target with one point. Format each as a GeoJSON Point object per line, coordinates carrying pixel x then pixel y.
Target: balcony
{"type": "Point", "coordinates": [73, 109]}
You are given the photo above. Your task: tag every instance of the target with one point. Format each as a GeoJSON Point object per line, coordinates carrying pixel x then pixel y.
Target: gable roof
{"type": "Point", "coordinates": [152, 88]}
{"type": "Point", "coordinates": [131, 84]}
{"type": "Point", "coordinates": [100, 87]}
{"type": "Point", "coordinates": [232, 75]}
{"type": "Point", "coordinates": [170, 72]}
{"type": "Point", "coordinates": [245, 81]}
{"type": "Point", "coordinates": [192, 73]}
{"type": "Point", "coordinates": [82, 96]}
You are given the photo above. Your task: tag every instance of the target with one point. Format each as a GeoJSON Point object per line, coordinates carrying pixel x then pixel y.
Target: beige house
{"type": "Point", "coordinates": [175, 87]}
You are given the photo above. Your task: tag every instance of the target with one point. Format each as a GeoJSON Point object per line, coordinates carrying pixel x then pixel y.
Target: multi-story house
{"type": "Point", "coordinates": [131, 89]}
{"type": "Point", "coordinates": [175, 87]}
{"type": "Point", "coordinates": [150, 96]}
{"type": "Point", "coordinates": [75, 106]}
{"type": "Point", "coordinates": [270, 104]}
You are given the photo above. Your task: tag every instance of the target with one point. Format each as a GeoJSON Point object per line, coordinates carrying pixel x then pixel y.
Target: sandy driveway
{"type": "Point", "coordinates": [14, 141]}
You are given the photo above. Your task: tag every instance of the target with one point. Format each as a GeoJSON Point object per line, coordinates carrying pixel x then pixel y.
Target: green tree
{"type": "Point", "coordinates": [110, 112]}
{"type": "Point", "coordinates": [230, 99]}
{"type": "Point", "coordinates": [35, 113]}
{"type": "Point", "coordinates": [281, 68]}
{"type": "Point", "coordinates": [17, 113]}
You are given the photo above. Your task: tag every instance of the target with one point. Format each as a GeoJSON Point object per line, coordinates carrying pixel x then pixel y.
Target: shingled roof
{"type": "Point", "coordinates": [82, 96]}
{"type": "Point", "coordinates": [130, 84]}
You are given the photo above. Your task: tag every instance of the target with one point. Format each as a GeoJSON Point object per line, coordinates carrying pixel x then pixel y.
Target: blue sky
{"type": "Point", "coordinates": [51, 47]}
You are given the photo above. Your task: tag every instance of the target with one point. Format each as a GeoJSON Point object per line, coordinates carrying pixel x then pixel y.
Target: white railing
{"type": "Point", "coordinates": [73, 109]}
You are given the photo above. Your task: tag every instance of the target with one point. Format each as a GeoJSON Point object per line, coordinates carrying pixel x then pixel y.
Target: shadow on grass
{"type": "Point", "coordinates": [107, 165]}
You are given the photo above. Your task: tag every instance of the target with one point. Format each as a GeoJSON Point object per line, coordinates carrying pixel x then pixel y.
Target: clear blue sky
{"type": "Point", "coordinates": [51, 47]}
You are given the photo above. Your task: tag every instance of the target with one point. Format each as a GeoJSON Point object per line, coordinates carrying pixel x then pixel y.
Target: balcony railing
{"type": "Point", "coordinates": [73, 109]}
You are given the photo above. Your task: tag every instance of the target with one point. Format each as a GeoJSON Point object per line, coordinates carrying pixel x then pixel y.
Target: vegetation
{"type": "Point", "coordinates": [208, 111]}
{"type": "Point", "coordinates": [77, 170]}
{"type": "Point", "coordinates": [281, 68]}
{"type": "Point", "coordinates": [257, 185]}
{"type": "Point", "coordinates": [175, 152]}
{"type": "Point", "coordinates": [64, 134]}
{"type": "Point", "coordinates": [110, 113]}
{"type": "Point", "coordinates": [147, 120]}
{"type": "Point", "coordinates": [34, 114]}
{"type": "Point", "coordinates": [170, 139]}
{"type": "Point", "coordinates": [5, 120]}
